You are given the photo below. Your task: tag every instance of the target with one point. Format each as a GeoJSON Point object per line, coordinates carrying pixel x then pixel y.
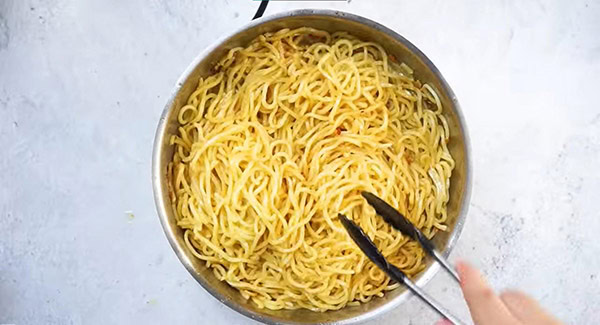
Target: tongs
{"type": "Point", "coordinates": [398, 221]}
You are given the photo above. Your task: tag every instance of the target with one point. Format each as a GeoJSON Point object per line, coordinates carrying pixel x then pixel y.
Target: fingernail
{"type": "Point", "coordinates": [460, 268]}
{"type": "Point", "coordinates": [443, 322]}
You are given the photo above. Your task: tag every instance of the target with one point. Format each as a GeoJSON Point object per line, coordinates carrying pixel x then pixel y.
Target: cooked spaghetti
{"type": "Point", "coordinates": [285, 134]}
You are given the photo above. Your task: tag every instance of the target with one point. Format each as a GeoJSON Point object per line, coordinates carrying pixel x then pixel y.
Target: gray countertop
{"type": "Point", "coordinates": [82, 85]}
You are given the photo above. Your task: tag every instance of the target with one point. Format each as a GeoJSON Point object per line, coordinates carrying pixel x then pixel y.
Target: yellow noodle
{"type": "Point", "coordinates": [284, 135]}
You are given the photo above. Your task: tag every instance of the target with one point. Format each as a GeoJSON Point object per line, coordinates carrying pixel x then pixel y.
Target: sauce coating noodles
{"type": "Point", "coordinates": [284, 135]}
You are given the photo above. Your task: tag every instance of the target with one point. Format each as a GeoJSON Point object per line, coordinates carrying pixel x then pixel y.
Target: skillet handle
{"type": "Point", "coordinates": [261, 9]}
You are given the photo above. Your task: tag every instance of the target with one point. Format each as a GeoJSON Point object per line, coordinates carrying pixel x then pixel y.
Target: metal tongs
{"type": "Point", "coordinates": [398, 221]}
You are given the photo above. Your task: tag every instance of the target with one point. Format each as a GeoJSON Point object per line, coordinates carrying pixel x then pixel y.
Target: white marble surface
{"type": "Point", "coordinates": [82, 84]}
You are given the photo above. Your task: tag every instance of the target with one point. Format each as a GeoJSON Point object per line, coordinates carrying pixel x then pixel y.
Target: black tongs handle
{"type": "Point", "coordinates": [401, 223]}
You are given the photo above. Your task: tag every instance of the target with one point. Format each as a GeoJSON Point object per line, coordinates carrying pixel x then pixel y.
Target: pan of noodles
{"type": "Point", "coordinates": [277, 128]}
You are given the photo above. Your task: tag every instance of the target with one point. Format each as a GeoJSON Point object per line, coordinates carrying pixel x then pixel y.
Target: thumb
{"type": "Point", "coordinates": [485, 306]}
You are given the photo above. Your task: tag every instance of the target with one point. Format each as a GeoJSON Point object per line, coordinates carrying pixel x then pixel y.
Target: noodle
{"type": "Point", "coordinates": [285, 134]}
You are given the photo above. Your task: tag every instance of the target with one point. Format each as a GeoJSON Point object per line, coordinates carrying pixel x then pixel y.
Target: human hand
{"type": "Point", "coordinates": [487, 308]}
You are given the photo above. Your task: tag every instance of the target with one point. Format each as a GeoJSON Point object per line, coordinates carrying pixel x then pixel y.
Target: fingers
{"type": "Point", "coordinates": [485, 306]}
{"type": "Point", "coordinates": [526, 310]}
{"type": "Point", "coordinates": [512, 307]}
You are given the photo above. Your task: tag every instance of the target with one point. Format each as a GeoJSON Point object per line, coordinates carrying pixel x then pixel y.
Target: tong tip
{"type": "Point", "coordinates": [371, 198]}
{"type": "Point", "coordinates": [366, 195]}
